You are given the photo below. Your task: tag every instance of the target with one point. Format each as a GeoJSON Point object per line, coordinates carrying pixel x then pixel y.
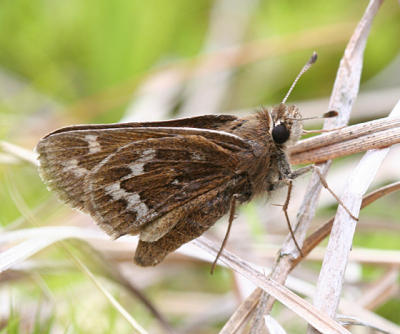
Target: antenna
{"type": "Point", "coordinates": [329, 114]}
{"type": "Point", "coordinates": [305, 68]}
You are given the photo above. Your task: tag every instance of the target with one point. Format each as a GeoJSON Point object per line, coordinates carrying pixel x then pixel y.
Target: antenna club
{"type": "Point", "coordinates": [305, 68]}
{"type": "Point", "coordinates": [331, 113]}
{"type": "Point", "coordinates": [313, 58]}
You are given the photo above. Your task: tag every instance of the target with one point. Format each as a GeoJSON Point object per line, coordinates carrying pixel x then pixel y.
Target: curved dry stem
{"type": "Point", "coordinates": [247, 306]}
{"type": "Point", "coordinates": [353, 139]}
{"type": "Point", "coordinates": [343, 96]}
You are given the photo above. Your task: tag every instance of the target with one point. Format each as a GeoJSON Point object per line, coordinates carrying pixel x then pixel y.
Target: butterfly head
{"type": "Point", "coordinates": [287, 125]}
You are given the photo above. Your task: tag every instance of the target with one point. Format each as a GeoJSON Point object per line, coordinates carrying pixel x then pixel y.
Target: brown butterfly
{"type": "Point", "coordinates": [169, 181]}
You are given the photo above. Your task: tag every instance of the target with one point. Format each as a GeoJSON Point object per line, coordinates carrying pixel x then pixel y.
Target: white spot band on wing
{"type": "Point", "coordinates": [94, 145]}
{"type": "Point", "coordinates": [133, 199]}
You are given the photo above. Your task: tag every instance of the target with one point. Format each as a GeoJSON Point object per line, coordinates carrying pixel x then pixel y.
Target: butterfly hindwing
{"type": "Point", "coordinates": [209, 207]}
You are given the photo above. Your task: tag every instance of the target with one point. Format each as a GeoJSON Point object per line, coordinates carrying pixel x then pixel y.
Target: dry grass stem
{"type": "Point", "coordinates": [350, 140]}
{"type": "Point", "coordinates": [227, 27]}
{"type": "Point", "coordinates": [315, 238]}
{"type": "Point", "coordinates": [273, 326]}
{"type": "Point", "coordinates": [239, 317]}
{"type": "Point", "coordinates": [353, 321]}
{"type": "Point", "coordinates": [382, 289]}
{"type": "Point", "coordinates": [331, 276]}
{"type": "Point", "coordinates": [19, 152]}
{"type": "Point", "coordinates": [248, 305]}
{"type": "Point", "coordinates": [354, 309]}
{"type": "Point", "coordinates": [343, 96]}
{"type": "Point", "coordinates": [134, 324]}
{"type": "Point", "coordinates": [298, 305]}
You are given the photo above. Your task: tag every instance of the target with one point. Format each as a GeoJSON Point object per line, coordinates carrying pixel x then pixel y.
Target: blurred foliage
{"type": "Point", "coordinates": [68, 52]}
{"type": "Point", "coordinates": [390, 310]}
{"type": "Point", "coordinates": [71, 50]}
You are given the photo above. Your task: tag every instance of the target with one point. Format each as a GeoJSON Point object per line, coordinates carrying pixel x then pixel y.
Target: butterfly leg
{"type": "Point", "coordinates": [325, 185]}
{"type": "Point", "coordinates": [306, 169]}
{"type": "Point", "coordinates": [298, 172]}
{"type": "Point", "coordinates": [231, 217]}
{"type": "Point", "coordinates": [284, 209]}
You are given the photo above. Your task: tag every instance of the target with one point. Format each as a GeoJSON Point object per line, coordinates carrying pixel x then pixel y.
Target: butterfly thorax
{"type": "Point", "coordinates": [269, 134]}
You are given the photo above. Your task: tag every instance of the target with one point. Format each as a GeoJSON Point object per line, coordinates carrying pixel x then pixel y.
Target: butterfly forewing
{"type": "Point", "coordinates": [156, 180]}
{"type": "Point", "coordinates": [68, 154]}
{"type": "Point", "coordinates": [67, 157]}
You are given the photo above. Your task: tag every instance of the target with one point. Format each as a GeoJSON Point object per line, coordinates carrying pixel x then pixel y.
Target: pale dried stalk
{"type": "Point", "coordinates": [354, 321]}
{"type": "Point", "coordinates": [247, 306]}
{"type": "Point", "coordinates": [160, 91]}
{"type": "Point", "coordinates": [381, 290]}
{"type": "Point", "coordinates": [242, 312]}
{"type": "Point", "coordinates": [151, 103]}
{"type": "Point", "coordinates": [298, 305]}
{"type": "Point", "coordinates": [351, 308]}
{"type": "Point", "coordinates": [332, 272]}
{"type": "Point", "coordinates": [273, 326]}
{"type": "Point", "coordinates": [350, 140]}
{"type": "Point", "coordinates": [19, 152]}
{"type": "Point", "coordinates": [229, 21]}
{"type": "Point", "coordinates": [114, 302]}
{"type": "Point", "coordinates": [343, 96]}
{"type": "Point", "coordinates": [364, 256]}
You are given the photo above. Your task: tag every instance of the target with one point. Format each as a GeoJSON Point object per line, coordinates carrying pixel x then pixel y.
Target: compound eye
{"type": "Point", "coordinates": [280, 134]}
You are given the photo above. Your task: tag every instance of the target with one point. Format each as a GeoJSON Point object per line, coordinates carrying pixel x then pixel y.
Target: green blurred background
{"type": "Point", "coordinates": [72, 51]}
{"type": "Point", "coordinates": [95, 61]}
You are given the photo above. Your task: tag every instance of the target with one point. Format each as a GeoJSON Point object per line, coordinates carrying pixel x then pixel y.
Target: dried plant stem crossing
{"type": "Point", "coordinates": [248, 305]}
{"type": "Point", "coordinates": [331, 276]}
{"type": "Point", "coordinates": [344, 94]}
{"type": "Point", "coordinates": [353, 139]}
